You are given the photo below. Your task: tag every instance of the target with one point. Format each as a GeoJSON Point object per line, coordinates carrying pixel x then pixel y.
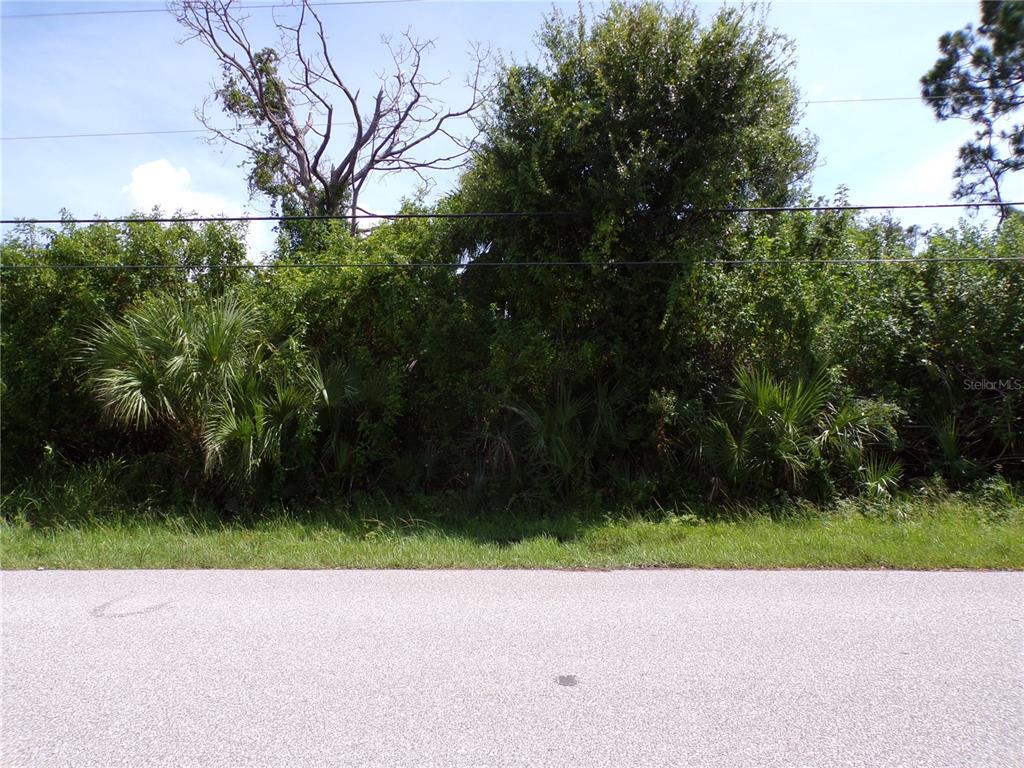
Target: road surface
{"type": "Point", "coordinates": [524, 668]}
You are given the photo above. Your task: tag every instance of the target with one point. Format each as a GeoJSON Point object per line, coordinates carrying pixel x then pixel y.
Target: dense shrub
{"type": "Point", "coordinates": [201, 373]}
{"type": "Point", "coordinates": [800, 437]}
{"type": "Point", "coordinates": [735, 355]}
{"type": "Point", "coordinates": [44, 411]}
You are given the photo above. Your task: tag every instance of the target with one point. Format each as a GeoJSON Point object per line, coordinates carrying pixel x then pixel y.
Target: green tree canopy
{"type": "Point", "coordinates": [631, 121]}
{"type": "Point", "coordinates": [641, 115]}
{"type": "Point", "coordinates": [980, 77]}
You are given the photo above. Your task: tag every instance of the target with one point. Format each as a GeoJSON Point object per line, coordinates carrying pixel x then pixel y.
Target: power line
{"type": "Point", "coordinates": [820, 208]}
{"type": "Point", "coordinates": [50, 14]}
{"type": "Point", "coordinates": [311, 217]}
{"type": "Point", "coordinates": [95, 135]}
{"type": "Point", "coordinates": [873, 98]}
{"type": "Point", "coordinates": [346, 123]}
{"type": "Point", "coordinates": [105, 134]}
{"type": "Point", "coordinates": [504, 264]}
{"type": "Point", "coordinates": [502, 214]}
{"type": "Point", "coordinates": [898, 260]}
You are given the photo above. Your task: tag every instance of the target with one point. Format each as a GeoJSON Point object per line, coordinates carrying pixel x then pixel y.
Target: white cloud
{"type": "Point", "coordinates": [159, 184]}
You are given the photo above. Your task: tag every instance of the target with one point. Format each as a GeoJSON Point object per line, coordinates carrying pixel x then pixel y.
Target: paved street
{"type": "Point", "coordinates": [526, 668]}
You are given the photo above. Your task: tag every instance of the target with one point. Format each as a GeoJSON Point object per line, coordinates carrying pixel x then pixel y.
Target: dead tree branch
{"type": "Point", "coordinates": [309, 136]}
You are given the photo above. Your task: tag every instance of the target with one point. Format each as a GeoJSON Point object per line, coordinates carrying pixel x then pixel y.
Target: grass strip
{"type": "Point", "coordinates": [912, 534]}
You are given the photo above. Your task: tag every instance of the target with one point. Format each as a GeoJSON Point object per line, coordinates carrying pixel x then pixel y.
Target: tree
{"type": "Point", "coordinates": [631, 121]}
{"type": "Point", "coordinates": [286, 102]}
{"type": "Point", "coordinates": [980, 77]}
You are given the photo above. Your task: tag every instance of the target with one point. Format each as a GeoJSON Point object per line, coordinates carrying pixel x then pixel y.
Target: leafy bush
{"type": "Point", "coordinates": [46, 308]}
{"type": "Point", "coordinates": [795, 437]}
{"type": "Point", "coordinates": [787, 354]}
{"type": "Point", "coordinates": [201, 373]}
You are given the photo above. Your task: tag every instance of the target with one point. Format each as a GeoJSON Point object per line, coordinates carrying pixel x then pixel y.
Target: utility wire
{"type": "Point", "coordinates": [873, 98]}
{"type": "Point", "coordinates": [501, 214]}
{"type": "Point", "coordinates": [346, 123]}
{"type": "Point", "coordinates": [49, 14]}
{"type": "Point", "coordinates": [896, 207]}
{"type": "Point", "coordinates": [312, 217]}
{"type": "Point", "coordinates": [164, 10]}
{"type": "Point", "coordinates": [502, 264]}
{"type": "Point", "coordinates": [103, 134]}
{"type": "Point", "coordinates": [95, 135]}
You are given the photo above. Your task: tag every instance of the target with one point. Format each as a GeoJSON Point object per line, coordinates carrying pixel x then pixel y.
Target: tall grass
{"type": "Point", "coordinates": [83, 526]}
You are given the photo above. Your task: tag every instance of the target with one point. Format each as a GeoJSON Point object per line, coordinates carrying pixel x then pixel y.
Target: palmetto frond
{"type": "Point", "coordinates": [727, 453]}
{"type": "Point", "coordinates": [880, 475]}
{"type": "Point", "coordinates": [199, 369]}
{"type": "Point", "coordinates": [132, 365]}
{"type": "Point", "coordinates": [555, 437]}
{"type": "Point", "coordinates": [783, 433]}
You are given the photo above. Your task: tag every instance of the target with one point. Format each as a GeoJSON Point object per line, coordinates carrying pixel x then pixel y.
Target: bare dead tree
{"type": "Point", "coordinates": [286, 103]}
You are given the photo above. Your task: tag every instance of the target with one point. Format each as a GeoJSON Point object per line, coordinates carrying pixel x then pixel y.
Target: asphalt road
{"type": "Point", "coordinates": [530, 668]}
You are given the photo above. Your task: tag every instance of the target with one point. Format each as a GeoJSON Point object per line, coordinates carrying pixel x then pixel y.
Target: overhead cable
{"type": "Point", "coordinates": [103, 134]}
{"type": "Point", "coordinates": [516, 264]}
{"type": "Point", "coordinates": [503, 214]}
{"type": "Point", "coordinates": [122, 11]}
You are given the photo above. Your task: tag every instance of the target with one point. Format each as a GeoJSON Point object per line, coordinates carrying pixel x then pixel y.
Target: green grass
{"type": "Point", "coordinates": [949, 531]}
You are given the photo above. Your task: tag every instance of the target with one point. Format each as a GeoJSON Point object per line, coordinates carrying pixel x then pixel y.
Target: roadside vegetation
{"type": "Point", "coordinates": [661, 386]}
{"type": "Point", "coordinates": [929, 528]}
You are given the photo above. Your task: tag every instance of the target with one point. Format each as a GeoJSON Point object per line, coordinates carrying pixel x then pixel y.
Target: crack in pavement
{"type": "Point", "coordinates": [100, 611]}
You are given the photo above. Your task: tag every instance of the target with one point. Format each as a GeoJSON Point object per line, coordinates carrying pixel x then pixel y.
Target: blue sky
{"type": "Point", "coordinates": [113, 72]}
